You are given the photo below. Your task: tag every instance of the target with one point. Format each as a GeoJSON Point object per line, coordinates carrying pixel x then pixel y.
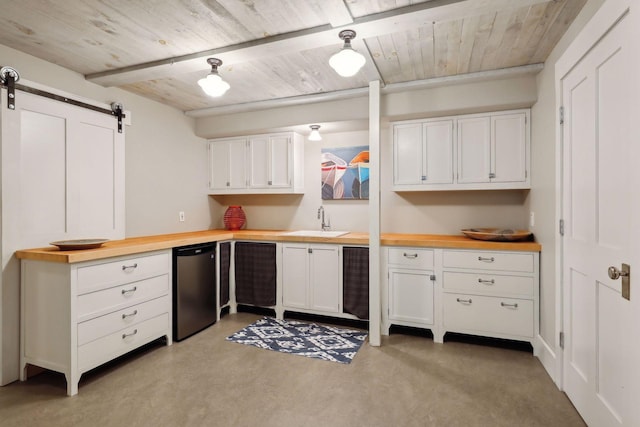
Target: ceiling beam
{"type": "Point", "coordinates": [389, 22]}
{"type": "Point", "coordinates": [337, 12]}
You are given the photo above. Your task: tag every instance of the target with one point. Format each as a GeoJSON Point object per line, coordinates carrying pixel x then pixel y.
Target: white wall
{"type": "Point", "coordinates": [542, 200]}
{"type": "Point", "coordinates": [166, 171]}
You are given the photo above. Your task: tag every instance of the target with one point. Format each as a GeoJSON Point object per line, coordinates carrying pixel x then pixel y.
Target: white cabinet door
{"type": "Point", "coordinates": [259, 162]}
{"type": "Point", "coordinates": [438, 149]}
{"type": "Point", "coordinates": [295, 275]}
{"type": "Point", "coordinates": [227, 164]}
{"type": "Point", "coordinates": [474, 149]}
{"type": "Point", "coordinates": [411, 296]}
{"type": "Point", "coordinates": [408, 154]}
{"type": "Point", "coordinates": [509, 148]}
{"type": "Point", "coordinates": [281, 161]}
{"type": "Point", "coordinates": [324, 278]}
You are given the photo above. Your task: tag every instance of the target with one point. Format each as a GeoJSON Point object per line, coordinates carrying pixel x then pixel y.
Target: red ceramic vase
{"type": "Point", "coordinates": [234, 218]}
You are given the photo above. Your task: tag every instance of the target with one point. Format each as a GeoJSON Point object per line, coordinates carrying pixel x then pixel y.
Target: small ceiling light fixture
{"type": "Point", "coordinates": [212, 84]}
{"type": "Point", "coordinates": [347, 62]}
{"type": "Point", "coordinates": [315, 133]}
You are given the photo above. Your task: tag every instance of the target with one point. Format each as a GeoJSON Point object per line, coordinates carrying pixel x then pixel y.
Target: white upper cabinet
{"type": "Point", "coordinates": [257, 164]}
{"type": "Point", "coordinates": [470, 152]}
{"type": "Point", "coordinates": [423, 152]}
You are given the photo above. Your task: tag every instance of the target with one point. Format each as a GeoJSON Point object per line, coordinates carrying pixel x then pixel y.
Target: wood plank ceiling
{"type": "Point", "coordinates": [276, 49]}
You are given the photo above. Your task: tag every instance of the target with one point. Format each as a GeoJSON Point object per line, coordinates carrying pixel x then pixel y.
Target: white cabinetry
{"type": "Point", "coordinates": [411, 288]}
{"type": "Point", "coordinates": [271, 163]}
{"type": "Point", "coordinates": [311, 278]}
{"type": "Point", "coordinates": [491, 293]}
{"type": "Point", "coordinates": [469, 152]}
{"type": "Point", "coordinates": [76, 317]}
{"type": "Point", "coordinates": [423, 152]}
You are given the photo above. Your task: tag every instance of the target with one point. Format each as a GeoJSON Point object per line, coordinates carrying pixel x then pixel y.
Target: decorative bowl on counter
{"type": "Point", "coordinates": [497, 234]}
{"type": "Point", "coordinates": [78, 244]}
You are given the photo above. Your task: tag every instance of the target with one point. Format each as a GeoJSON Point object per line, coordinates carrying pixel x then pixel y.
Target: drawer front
{"type": "Point", "coordinates": [117, 320]}
{"type": "Point", "coordinates": [488, 283]}
{"type": "Point", "coordinates": [97, 303]}
{"type": "Point", "coordinates": [488, 315]}
{"type": "Point", "coordinates": [99, 276]}
{"type": "Point", "coordinates": [118, 343]}
{"type": "Point", "coordinates": [482, 260]}
{"type": "Point", "coordinates": [411, 257]}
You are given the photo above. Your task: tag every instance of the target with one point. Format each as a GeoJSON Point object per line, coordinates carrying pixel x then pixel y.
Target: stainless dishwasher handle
{"type": "Point", "coordinates": [124, 316]}
{"type": "Point", "coordinates": [412, 256]}
{"type": "Point", "coordinates": [488, 282]}
{"type": "Point", "coordinates": [126, 267]}
{"type": "Point", "coordinates": [128, 291]}
{"type": "Point", "coordinates": [464, 301]}
{"type": "Point", "coordinates": [504, 304]}
{"type": "Point", "coordinates": [135, 331]}
{"type": "Point", "coordinates": [484, 259]}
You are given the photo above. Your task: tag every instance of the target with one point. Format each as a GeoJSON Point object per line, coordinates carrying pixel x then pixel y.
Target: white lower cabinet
{"type": "Point", "coordinates": [78, 316]}
{"type": "Point", "coordinates": [492, 294]}
{"type": "Point", "coordinates": [410, 292]}
{"type": "Point", "coordinates": [311, 278]}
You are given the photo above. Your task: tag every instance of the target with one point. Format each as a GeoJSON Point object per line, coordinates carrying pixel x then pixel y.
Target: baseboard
{"type": "Point", "coordinates": [547, 357]}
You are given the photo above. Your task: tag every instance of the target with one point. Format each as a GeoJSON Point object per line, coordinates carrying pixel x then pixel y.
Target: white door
{"type": "Point", "coordinates": [408, 154]}
{"type": "Point", "coordinates": [324, 278]}
{"type": "Point", "coordinates": [509, 148]}
{"type": "Point", "coordinates": [259, 159]}
{"type": "Point", "coordinates": [474, 149]}
{"type": "Point", "coordinates": [601, 359]}
{"type": "Point", "coordinates": [295, 275]}
{"type": "Point", "coordinates": [219, 165]}
{"type": "Point", "coordinates": [438, 146]}
{"type": "Point", "coordinates": [411, 296]}
{"type": "Point", "coordinates": [280, 166]}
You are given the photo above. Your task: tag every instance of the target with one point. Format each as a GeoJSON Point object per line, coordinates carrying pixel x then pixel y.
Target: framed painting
{"type": "Point", "coordinates": [345, 173]}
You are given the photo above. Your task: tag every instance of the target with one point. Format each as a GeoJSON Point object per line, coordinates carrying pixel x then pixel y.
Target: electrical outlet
{"type": "Point", "coordinates": [181, 216]}
{"type": "Point", "coordinates": [532, 219]}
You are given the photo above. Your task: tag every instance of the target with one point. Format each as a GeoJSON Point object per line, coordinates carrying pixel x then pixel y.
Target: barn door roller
{"type": "Point", "coordinates": [9, 76]}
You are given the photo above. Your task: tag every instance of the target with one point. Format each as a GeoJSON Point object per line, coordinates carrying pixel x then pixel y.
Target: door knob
{"type": "Point", "coordinates": [625, 273]}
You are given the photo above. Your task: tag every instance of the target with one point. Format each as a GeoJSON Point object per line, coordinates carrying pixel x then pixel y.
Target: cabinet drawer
{"type": "Point", "coordinates": [488, 283]}
{"type": "Point", "coordinates": [484, 315]}
{"type": "Point", "coordinates": [98, 276]}
{"type": "Point", "coordinates": [118, 343]}
{"type": "Point", "coordinates": [411, 257]}
{"type": "Point", "coordinates": [109, 323]}
{"type": "Point", "coordinates": [101, 302]}
{"type": "Point", "coordinates": [482, 260]}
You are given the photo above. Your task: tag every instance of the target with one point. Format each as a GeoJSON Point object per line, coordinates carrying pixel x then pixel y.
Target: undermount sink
{"type": "Point", "coordinates": [315, 233]}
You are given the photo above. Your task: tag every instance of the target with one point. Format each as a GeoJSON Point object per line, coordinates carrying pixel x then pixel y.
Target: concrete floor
{"type": "Point", "coordinates": [207, 381]}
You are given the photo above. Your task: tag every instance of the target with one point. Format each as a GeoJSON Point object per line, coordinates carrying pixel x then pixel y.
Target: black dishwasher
{"type": "Point", "coordinates": [194, 289]}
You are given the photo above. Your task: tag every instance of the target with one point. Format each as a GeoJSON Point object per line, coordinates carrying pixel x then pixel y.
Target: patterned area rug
{"type": "Point", "coordinates": [304, 339]}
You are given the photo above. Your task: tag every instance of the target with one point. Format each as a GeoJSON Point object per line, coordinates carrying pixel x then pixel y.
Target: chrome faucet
{"type": "Point", "coordinates": [324, 226]}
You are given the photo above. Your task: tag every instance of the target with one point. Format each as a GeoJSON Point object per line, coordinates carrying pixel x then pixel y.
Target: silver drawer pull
{"type": "Point", "coordinates": [487, 282]}
{"type": "Point", "coordinates": [464, 301]}
{"type": "Point", "coordinates": [504, 304]}
{"type": "Point", "coordinates": [484, 259]}
{"type": "Point", "coordinates": [127, 267]}
{"type": "Point", "coordinates": [128, 291]}
{"type": "Point", "coordinates": [412, 256]}
{"type": "Point", "coordinates": [135, 331]}
{"type": "Point", "coordinates": [124, 316]}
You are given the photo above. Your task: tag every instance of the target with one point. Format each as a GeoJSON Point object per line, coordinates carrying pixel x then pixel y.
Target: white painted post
{"type": "Point", "coordinates": [375, 309]}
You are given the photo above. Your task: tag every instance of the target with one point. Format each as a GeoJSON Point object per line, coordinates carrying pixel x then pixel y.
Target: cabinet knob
{"type": "Point", "coordinates": [127, 267]}
{"type": "Point", "coordinates": [464, 301]}
{"type": "Point", "coordinates": [423, 177]}
{"type": "Point", "coordinates": [411, 256]}
{"type": "Point", "coordinates": [486, 282]}
{"type": "Point", "coordinates": [504, 304]}
{"type": "Point", "coordinates": [128, 291]}
{"type": "Point", "coordinates": [492, 175]}
{"type": "Point", "coordinates": [484, 259]}
{"type": "Point", "coordinates": [135, 331]}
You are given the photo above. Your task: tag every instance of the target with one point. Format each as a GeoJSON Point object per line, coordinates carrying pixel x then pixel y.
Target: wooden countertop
{"type": "Point", "coordinates": [136, 245]}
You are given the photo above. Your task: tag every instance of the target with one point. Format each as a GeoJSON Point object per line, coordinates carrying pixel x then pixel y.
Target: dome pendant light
{"type": "Point", "coordinates": [315, 133]}
{"type": "Point", "coordinates": [347, 62]}
{"type": "Point", "coordinates": [212, 84]}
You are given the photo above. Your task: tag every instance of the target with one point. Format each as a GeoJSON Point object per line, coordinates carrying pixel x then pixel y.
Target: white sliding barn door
{"type": "Point", "coordinates": [62, 177]}
{"type": "Point", "coordinates": [602, 229]}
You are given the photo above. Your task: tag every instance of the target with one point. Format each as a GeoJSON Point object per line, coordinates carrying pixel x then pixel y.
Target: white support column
{"type": "Point", "coordinates": [375, 308]}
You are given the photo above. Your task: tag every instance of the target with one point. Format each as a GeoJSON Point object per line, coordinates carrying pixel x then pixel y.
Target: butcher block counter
{"type": "Point", "coordinates": [136, 245]}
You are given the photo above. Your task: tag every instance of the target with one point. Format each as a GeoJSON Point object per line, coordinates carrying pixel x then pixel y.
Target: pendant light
{"type": "Point", "coordinates": [347, 62]}
{"type": "Point", "coordinates": [212, 84]}
{"type": "Point", "coordinates": [315, 133]}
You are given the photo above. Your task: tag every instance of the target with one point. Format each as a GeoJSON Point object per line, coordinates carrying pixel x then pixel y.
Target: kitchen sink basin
{"type": "Point", "coordinates": [315, 233]}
